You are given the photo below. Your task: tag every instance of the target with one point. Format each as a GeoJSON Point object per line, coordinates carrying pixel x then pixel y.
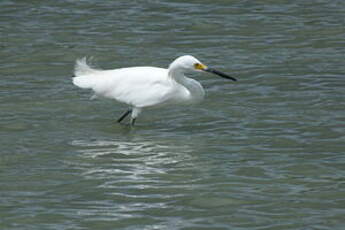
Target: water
{"type": "Point", "coordinates": [266, 152]}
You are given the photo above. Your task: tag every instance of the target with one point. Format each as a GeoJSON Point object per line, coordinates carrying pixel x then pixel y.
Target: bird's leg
{"type": "Point", "coordinates": [135, 112]}
{"type": "Point", "coordinates": [125, 114]}
{"type": "Point", "coordinates": [133, 121]}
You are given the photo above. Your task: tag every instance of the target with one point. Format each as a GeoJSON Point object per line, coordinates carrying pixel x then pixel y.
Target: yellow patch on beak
{"type": "Point", "coordinates": [200, 66]}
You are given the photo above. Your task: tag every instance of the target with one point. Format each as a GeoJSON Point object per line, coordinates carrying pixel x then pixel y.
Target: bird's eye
{"type": "Point", "coordinates": [197, 66]}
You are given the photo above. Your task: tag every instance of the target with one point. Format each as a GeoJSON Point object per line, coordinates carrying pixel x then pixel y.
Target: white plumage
{"type": "Point", "coordinates": [141, 87]}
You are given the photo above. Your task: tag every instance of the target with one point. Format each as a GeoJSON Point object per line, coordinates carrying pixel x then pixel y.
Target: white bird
{"type": "Point", "coordinates": [141, 87]}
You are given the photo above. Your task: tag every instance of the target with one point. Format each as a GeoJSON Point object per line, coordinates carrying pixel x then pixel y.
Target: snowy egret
{"type": "Point", "coordinates": [141, 87]}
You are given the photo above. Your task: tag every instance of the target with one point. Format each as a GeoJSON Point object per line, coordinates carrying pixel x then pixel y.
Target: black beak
{"type": "Point", "coordinates": [210, 70]}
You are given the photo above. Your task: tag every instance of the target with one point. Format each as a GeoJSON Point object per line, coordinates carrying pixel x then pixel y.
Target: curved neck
{"type": "Point", "coordinates": [195, 89]}
{"type": "Point", "coordinates": [177, 74]}
{"type": "Point", "coordinates": [175, 71]}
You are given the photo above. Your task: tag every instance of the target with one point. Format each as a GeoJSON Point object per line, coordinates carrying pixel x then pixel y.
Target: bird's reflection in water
{"type": "Point", "coordinates": [134, 178]}
{"type": "Point", "coordinates": [135, 163]}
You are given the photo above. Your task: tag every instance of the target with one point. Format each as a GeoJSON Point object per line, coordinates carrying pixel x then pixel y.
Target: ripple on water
{"type": "Point", "coordinates": [265, 152]}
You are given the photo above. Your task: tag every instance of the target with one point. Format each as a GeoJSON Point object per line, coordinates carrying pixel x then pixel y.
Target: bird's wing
{"type": "Point", "coordinates": [137, 86]}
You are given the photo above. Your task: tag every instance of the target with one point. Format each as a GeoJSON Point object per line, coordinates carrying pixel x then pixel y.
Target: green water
{"type": "Point", "coordinates": [266, 152]}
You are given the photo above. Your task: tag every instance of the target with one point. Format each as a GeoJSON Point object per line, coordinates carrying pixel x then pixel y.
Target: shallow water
{"type": "Point", "coordinates": [266, 152]}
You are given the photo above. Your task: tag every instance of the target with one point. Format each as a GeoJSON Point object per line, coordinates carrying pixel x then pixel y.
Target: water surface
{"type": "Point", "coordinates": [266, 152]}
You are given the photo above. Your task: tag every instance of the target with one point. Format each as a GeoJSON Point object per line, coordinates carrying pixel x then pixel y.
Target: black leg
{"type": "Point", "coordinates": [124, 115]}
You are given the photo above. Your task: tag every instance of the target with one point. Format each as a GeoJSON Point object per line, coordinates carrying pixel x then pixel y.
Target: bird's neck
{"type": "Point", "coordinates": [177, 74]}
{"type": "Point", "coordinates": [196, 91]}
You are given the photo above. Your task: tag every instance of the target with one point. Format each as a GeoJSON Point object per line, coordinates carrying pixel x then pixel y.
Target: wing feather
{"type": "Point", "coordinates": [137, 86]}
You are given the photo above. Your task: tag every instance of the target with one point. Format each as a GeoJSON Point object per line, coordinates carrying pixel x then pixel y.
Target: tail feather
{"type": "Point", "coordinates": [82, 67]}
{"type": "Point", "coordinates": [84, 74]}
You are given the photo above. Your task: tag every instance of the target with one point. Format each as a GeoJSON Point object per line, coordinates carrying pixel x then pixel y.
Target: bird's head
{"type": "Point", "coordinates": [189, 63]}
